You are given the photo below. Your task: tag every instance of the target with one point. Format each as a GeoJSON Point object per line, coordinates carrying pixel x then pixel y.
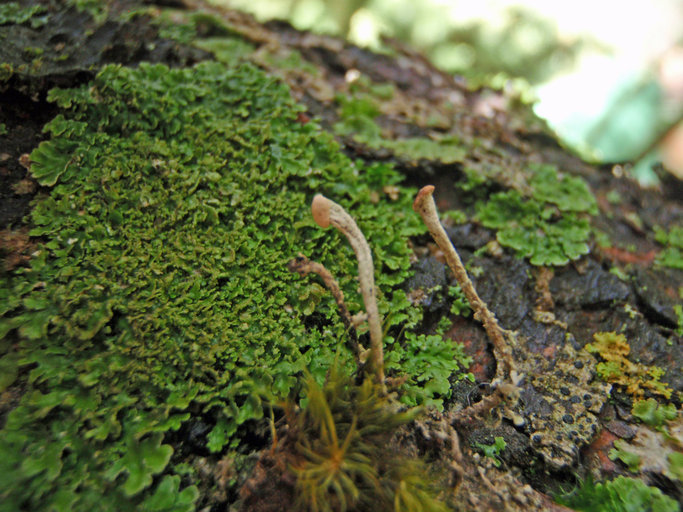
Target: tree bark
{"type": "Point", "coordinates": [469, 144]}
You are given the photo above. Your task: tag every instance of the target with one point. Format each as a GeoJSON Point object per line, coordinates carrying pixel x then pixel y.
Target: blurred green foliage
{"type": "Point", "coordinates": [358, 115]}
{"type": "Point", "coordinates": [672, 254]}
{"type": "Point", "coordinates": [653, 413]}
{"type": "Point", "coordinates": [522, 45]}
{"type": "Point", "coordinates": [516, 49]}
{"type": "Point", "coordinates": [493, 450]}
{"type": "Point", "coordinates": [13, 12]}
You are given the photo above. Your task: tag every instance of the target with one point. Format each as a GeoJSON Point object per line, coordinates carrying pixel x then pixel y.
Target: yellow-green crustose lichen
{"type": "Point", "coordinates": [616, 368]}
{"type": "Point", "coordinates": [160, 293]}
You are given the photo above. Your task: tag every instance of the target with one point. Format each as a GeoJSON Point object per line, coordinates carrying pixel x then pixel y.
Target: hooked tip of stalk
{"type": "Point", "coordinates": [320, 208]}
{"type": "Point", "coordinates": [424, 193]}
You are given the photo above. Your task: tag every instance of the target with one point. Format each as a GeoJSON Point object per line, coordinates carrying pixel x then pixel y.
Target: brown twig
{"type": "Point", "coordinates": [479, 409]}
{"type": "Point", "coordinates": [303, 266]}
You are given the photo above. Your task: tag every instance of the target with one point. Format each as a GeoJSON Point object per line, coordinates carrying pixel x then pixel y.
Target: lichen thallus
{"type": "Point", "coordinates": [326, 212]}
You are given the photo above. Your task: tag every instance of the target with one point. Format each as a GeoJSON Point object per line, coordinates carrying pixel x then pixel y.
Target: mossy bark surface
{"type": "Point", "coordinates": [157, 163]}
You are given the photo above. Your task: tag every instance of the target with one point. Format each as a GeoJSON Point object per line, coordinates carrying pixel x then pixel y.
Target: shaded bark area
{"type": "Point", "coordinates": [617, 287]}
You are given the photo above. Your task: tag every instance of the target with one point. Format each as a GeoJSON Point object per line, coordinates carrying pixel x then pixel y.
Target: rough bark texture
{"type": "Point", "coordinates": [563, 419]}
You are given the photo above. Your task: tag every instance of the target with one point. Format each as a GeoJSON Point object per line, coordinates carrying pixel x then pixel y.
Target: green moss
{"type": "Point", "coordinates": [568, 193]}
{"type": "Point", "coordinates": [620, 452]}
{"type": "Point", "coordinates": [200, 29]}
{"type": "Point", "coordinates": [6, 71]}
{"type": "Point", "coordinates": [621, 275]}
{"type": "Point", "coordinates": [345, 459]}
{"type": "Point", "coordinates": [212, 34]}
{"type": "Point", "coordinates": [30, 51]}
{"type": "Point", "coordinates": [456, 217]}
{"type": "Point", "coordinates": [678, 310]}
{"type": "Point", "coordinates": [357, 118]}
{"type": "Point", "coordinates": [460, 306]}
{"type": "Point", "coordinates": [550, 226]}
{"type": "Point", "coordinates": [288, 60]}
{"type": "Point", "coordinates": [492, 451]}
{"type": "Point", "coordinates": [383, 91]}
{"type": "Point", "coordinates": [225, 49]}
{"type": "Point", "coordinates": [96, 8]}
{"type": "Point", "coordinates": [429, 362]}
{"type": "Point", "coordinates": [168, 498]}
{"type": "Point", "coordinates": [534, 230]}
{"type": "Point", "coordinates": [184, 33]}
{"type": "Point", "coordinates": [446, 149]}
{"type": "Point", "coordinates": [675, 469]}
{"type": "Point", "coordinates": [614, 197]}
{"type": "Point", "coordinates": [656, 452]}
{"type": "Point", "coordinates": [160, 292]}
{"type": "Point", "coordinates": [616, 368]}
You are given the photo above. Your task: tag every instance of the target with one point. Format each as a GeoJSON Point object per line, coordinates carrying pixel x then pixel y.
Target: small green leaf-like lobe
{"type": "Point", "coordinates": [167, 497]}
{"type": "Point", "coordinates": [49, 161]}
{"type": "Point", "coordinates": [569, 193]}
{"type": "Point", "coordinates": [141, 461]}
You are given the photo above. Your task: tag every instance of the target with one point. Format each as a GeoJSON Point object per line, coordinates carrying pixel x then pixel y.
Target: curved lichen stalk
{"type": "Point", "coordinates": [302, 265]}
{"type": "Point", "coordinates": [424, 205]}
{"type": "Point", "coordinates": [326, 212]}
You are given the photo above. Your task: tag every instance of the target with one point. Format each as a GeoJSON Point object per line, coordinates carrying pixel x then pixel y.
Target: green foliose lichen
{"type": "Point", "coordinates": [493, 450]}
{"type": "Point", "coordinates": [14, 13]}
{"type": "Point", "coordinates": [159, 292]}
{"type": "Point", "coordinates": [672, 254]}
{"type": "Point", "coordinates": [358, 115]}
{"type": "Point", "coordinates": [678, 310]}
{"type": "Point", "coordinates": [190, 27]}
{"type": "Point", "coordinates": [551, 226]}
{"type": "Point", "coordinates": [622, 494]}
{"type": "Point", "coordinates": [653, 413]}
{"type": "Point", "coordinates": [96, 8]}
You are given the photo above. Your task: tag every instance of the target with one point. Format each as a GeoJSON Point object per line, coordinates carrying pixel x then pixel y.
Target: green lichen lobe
{"type": "Point", "coordinates": [616, 368]}
{"type": "Point", "coordinates": [551, 226]}
{"type": "Point", "coordinates": [672, 240]}
{"type": "Point", "coordinates": [619, 495]}
{"type": "Point", "coordinates": [13, 12]}
{"type": "Point", "coordinates": [358, 120]}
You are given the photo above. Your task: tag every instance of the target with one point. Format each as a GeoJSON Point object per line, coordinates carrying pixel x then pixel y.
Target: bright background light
{"type": "Point", "coordinates": [607, 75]}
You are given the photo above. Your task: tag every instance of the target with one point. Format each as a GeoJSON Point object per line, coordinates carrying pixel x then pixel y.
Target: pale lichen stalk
{"type": "Point", "coordinates": [326, 212]}
{"type": "Point", "coordinates": [425, 206]}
